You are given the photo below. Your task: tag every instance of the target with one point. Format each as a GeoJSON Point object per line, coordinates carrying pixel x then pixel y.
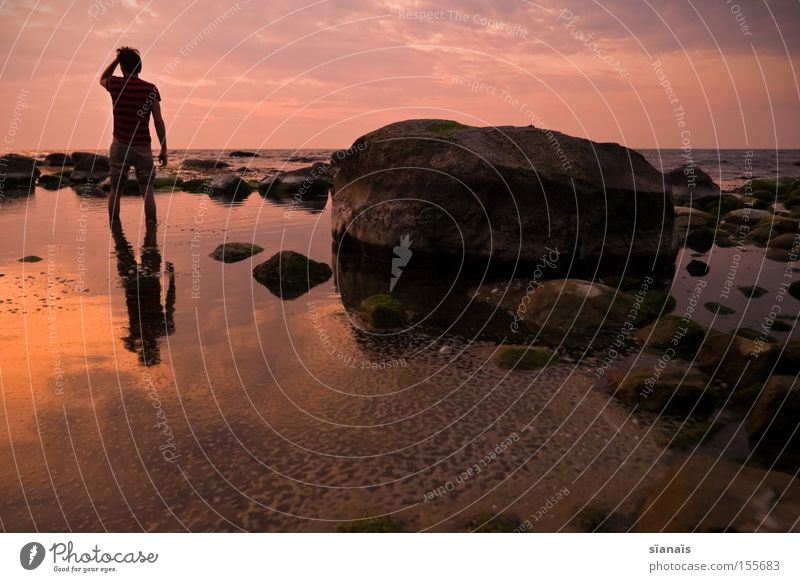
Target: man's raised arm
{"type": "Point", "coordinates": [107, 73]}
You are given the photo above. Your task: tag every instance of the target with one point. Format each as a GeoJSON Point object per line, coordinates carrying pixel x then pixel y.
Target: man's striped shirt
{"type": "Point", "coordinates": [132, 99]}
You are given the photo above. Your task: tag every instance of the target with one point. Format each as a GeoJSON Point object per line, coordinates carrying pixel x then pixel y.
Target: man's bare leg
{"type": "Point", "coordinates": [149, 196]}
{"type": "Point", "coordinates": [113, 204]}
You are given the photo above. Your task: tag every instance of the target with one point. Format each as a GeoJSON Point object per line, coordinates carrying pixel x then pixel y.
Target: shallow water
{"type": "Point", "coordinates": [146, 386]}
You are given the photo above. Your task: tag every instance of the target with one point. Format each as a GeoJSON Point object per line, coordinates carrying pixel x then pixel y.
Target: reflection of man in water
{"type": "Point", "coordinates": [148, 319]}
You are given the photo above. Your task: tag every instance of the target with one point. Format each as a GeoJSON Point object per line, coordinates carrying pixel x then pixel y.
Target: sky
{"type": "Point", "coordinates": [321, 73]}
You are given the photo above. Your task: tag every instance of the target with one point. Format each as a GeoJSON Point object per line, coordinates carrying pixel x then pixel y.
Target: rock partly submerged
{"type": "Point", "coordinates": [18, 174]}
{"type": "Point", "coordinates": [313, 181]}
{"type": "Point", "coordinates": [232, 252]}
{"type": "Point", "coordinates": [505, 194]}
{"type": "Point", "coordinates": [555, 309]}
{"type": "Point", "coordinates": [289, 275]}
{"type": "Point", "coordinates": [229, 186]}
{"type": "Point", "coordinates": [89, 167]}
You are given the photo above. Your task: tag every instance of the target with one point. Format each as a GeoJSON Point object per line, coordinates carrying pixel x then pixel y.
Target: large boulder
{"type": "Point", "coordinates": [312, 181]}
{"type": "Point", "coordinates": [289, 275]}
{"type": "Point", "coordinates": [503, 193]}
{"type": "Point", "coordinates": [689, 183]}
{"type": "Point", "coordinates": [705, 494]}
{"type": "Point", "coordinates": [18, 173]}
{"type": "Point", "coordinates": [772, 427]}
{"type": "Point", "coordinates": [89, 168]}
{"type": "Point", "coordinates": [243, 154]}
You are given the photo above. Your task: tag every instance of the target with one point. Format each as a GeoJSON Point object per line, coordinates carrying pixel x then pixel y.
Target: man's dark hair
{"type": "Point", "coordinates": [129, 60]}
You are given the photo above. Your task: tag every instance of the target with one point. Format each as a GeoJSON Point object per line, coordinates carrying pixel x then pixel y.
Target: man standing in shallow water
{"type": "Point", "coordinates": [133, 100]}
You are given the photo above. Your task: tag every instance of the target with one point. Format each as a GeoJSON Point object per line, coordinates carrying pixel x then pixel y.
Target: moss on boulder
{"type": "Point", "coordinates": [672, 331]}
{"type": "Point", "coordinates": [383, 311]}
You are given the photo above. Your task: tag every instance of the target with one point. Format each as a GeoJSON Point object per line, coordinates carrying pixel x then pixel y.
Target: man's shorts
{"type": "Point", "coordinates": [122, 156]}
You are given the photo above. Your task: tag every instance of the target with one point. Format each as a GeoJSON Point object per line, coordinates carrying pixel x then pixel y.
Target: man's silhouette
{"type": "Point", "coordinates": [133, 100]}
{"type": "Point", "coordinates": [148, 320]}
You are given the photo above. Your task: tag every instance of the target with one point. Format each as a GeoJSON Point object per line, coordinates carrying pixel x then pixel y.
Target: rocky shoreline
{"type": "Point", "coordinates": [593, 251]}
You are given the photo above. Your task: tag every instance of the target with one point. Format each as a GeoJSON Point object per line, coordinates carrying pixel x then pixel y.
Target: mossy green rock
{"type": "Point", "coordinates": [383, 311]}
{"type": "Point", "coordinates": [694, 219]}
{"type": "Point", "coordinates": [658, 302]}
{"type": "Point", "coordinates": [749, 216]}
{"type": "Point", "coordinates": [753, 202]}
{"type": "Point", "coordinates": [672, 390]}
{"type": "Point", "coordinates": [727, 358]}
{"type": "Point", "coordinates": [772, 426]}
{"type": "Point", "coordinates": [724, 204]}
{"type": "Point", "coordinates": [672, 331]}
{"type": "Point", "coordinates": [567, 306]}
{"type": "Point", "coordinates": [760, 235]}
{"type": "Point", "coordinates": [289, 275]}
{"type": "Point", "coordinates": [30, 259]}
{"type": "Point", "coordinates": [235, 251]}
{"type": "Point", "coordinates": [523, 357]}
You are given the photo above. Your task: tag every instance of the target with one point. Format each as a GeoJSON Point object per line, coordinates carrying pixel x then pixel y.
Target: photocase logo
{"type": "Point", "coordinates": [31, 555]}
{"type": "Point", "coordinates": [402, 254]}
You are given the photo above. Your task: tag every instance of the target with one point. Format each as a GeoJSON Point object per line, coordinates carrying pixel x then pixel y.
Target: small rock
{"type": "Point", "coordinates": [512, 357]}
{"type": "Point", "coordinates": [383, 311]}
{"type": "Point", "coordinates": [233, 252]}
{"type": "Point", "coordinates": [289, 275]}
{"type": "Point", "coordinates": [697, 268]}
